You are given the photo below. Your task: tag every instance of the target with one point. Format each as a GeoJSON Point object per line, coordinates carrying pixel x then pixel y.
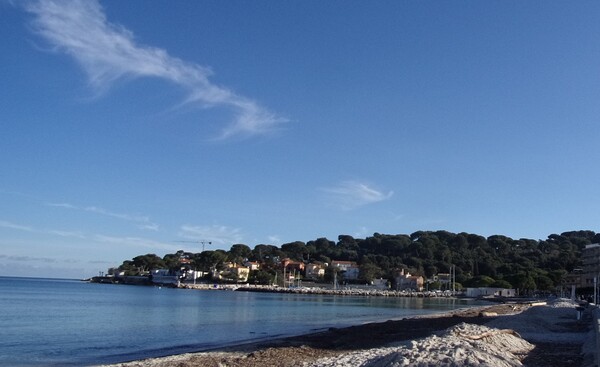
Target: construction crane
{"type": "Point", "coordinates": [203, 242]}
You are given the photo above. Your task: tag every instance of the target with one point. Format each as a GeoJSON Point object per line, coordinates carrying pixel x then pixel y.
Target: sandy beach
{"type": "Point", "coordinates": [498, 335]}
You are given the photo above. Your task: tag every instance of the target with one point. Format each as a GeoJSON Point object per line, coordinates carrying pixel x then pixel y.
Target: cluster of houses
{"type": "Point", "coordinates": [293, 273]}
{"type": "Point", "coordinates": [349, 272]}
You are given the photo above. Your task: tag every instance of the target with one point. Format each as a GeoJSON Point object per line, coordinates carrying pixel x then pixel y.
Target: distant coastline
{"type": "Point", "coordinates": [42, 278]}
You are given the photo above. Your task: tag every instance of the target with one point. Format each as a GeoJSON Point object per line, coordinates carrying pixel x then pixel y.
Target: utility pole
{"type": "Point", "coordinates": [334, 280]}
{"type": "Point", "coordinates": [453, 275]}
{"type": "Point", "coordinates": [596, 290]}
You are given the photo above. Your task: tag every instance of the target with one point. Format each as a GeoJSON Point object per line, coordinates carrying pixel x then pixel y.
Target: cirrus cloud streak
{"type": "Point", "coordinates": [350, 195]}
{"type": "Point", "coordinates": [108, 52]}
{"type": "Point", "coordinates": [142, 221]}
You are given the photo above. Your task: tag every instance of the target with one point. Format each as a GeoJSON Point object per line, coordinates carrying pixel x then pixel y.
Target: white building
{"type": "Point", "coordinates": [380, 283]}
{"type": "Point", "coordinates": [315, 271]}
{"type": "Point", "coordinates": [405, 281]}
{"type": "Point", "coordinates": [490, 292]}
{"type": "Point", "coordinates": [349, 269]}
{"type": "Point", "coordinates": [164, 277]}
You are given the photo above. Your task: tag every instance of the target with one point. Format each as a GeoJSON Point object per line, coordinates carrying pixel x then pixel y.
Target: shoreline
{"type": "Point", "coordinates": [327, 342]}
{"type": "Point", "coordinates": [316, 338]}
{"type": "Point", "coordinates": [545, 335]}
{"type": "Point", "coordinates": [321, 337]}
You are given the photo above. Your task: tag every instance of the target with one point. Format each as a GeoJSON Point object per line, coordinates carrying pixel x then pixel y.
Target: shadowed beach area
{"type": "Point", "coordinates": [498, 335]}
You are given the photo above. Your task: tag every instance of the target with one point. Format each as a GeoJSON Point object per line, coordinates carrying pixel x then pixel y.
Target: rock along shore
{"type": "Point", "coordinates": [346, 291]}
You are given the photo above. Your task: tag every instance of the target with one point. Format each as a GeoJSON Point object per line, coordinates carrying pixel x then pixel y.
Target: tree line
{"type": "Point", "coordinates": [497, 260]}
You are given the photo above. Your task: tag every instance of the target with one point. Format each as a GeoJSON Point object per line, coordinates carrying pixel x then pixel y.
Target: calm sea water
{"type": "Point", "coordinates": [50, 322]}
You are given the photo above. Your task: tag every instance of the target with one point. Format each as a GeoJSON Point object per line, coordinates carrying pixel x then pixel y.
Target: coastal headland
{"type": "Point", "coordinates": [557, 333]}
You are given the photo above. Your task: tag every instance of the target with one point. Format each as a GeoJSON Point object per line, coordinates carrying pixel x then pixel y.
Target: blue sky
{"type": "Point", "coordinates": [127, 126]}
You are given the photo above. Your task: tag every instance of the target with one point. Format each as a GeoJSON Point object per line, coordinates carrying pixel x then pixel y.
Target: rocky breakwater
{"type": "Point", "coordinates": [343, 292]}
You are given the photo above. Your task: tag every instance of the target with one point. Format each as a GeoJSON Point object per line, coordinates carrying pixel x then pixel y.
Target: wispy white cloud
{"type": "Point", "coordinates": [362, 232]}
{"type": "Point", "coordinates": [18, 227]}
{"type": "Point", "coordinates": [149, 227]}
{"type": "Point", "coordinates": [28, 258]}
{"type": "Point", "coordinates": [143, 221]}
{"type": "Point", "coordinates": [127, 217]}
{"type": "Point", "coordinates": [274, 239]}
{"type": "Point", "coordinates": [108, 52]}
{"type": "Point", "coordinates": [221, 235]}
{"type": "Point", "coordinates": [27, 228]}
{"type": "Point", "coordinates": [62, 205]}
{"type": "Point", "coordinates": [70, 234]}
{"type": "Point", "coordinates": [135, 242]}
{"type": "Point", "coordinates": [100, 262]}
{"type": "Point", "coordinates": [349, 195]}
{"type": "Point", "coordinates": [33, 230]}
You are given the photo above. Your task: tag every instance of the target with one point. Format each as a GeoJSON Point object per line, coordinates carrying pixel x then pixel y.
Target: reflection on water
{"type": "Point", "coordinates": [69, 322]}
